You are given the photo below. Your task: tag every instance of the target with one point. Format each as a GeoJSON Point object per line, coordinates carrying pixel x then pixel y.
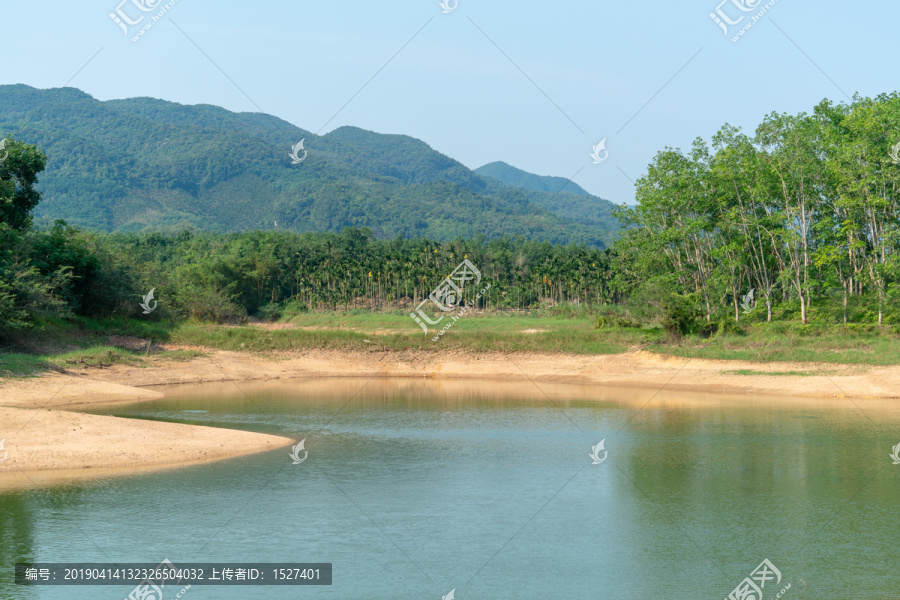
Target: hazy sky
{"type": "Point", "coordinates": [534, 84]}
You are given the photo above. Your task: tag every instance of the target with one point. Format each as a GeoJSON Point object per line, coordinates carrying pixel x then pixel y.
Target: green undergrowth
{"type": "Point", "coordinates": [57, 345]}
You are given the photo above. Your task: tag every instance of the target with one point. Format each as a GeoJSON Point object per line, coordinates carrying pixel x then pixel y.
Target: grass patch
{"type": "Point", "coordinates": [775, 373]}
{"type": "Point", "coordinates": [24, 365]}
{"type": "Point", "coordinates": [791, 342]}
{"type": "Point", "coordinates": [181, 355]}
{"type": "Point", "coordinates": [97, 358]}
{"type": "Point", "coordinates": [398, 333]}
{"type": "Point", "coordinates": [56, 345]}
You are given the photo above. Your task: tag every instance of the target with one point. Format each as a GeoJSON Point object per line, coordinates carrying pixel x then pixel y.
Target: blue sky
{"type": "Point", "coordinates": [534, 84]}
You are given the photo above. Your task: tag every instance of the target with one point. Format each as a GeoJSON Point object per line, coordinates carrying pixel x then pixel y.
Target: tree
{"type": "Point", "coordinates": [20, 164]}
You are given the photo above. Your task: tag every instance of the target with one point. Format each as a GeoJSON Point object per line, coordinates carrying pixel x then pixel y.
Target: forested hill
{"type": "Point", "coordinates": [143, 163]}
{"type": "Point", "coordinates": [510, 175]}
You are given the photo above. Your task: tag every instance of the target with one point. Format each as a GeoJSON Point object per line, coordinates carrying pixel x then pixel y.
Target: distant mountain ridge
{"type": "Point", "coordinates": [143, 163]}
{"type": "Point", "coordinates": [512, 176]}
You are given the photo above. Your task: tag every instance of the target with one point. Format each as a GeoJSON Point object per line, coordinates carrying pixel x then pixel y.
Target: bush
{"type": "Point", "coordinates": [62, 247]}
{"type": "Point", "coordinates": [615, 316]}
{"type": "Point", "coordinates": [293, 308]}
{"type": "Point", "coordinates": [679, 314]}
{"type": "Point", "coordinates": [729, 327]}
{"type": "Point", "coordinates": [210, 305]}
{"type": "Point", "coordinates": [270, 312]}
{"type": "Point", "coordinates": [25, 292]}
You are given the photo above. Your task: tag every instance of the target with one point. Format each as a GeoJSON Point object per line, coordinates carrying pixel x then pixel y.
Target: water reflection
{"type": "Point", "coordinates": [414, 487]}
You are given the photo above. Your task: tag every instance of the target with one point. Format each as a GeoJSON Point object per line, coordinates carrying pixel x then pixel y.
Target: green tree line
{"type": "Point", "coordinates": [64, 271]}
{"type": "Point", "coordinates": [804, 213]}
{"type": "Point", "coordinates": [805, 210]}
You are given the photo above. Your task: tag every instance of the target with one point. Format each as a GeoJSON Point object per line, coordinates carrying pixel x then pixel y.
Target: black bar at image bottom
{"type": "Point", "coordinates": [167, 574]}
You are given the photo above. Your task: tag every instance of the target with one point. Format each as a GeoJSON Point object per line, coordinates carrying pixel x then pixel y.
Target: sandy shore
{"type": "Point", "coordinates": [46, 445]}
{"type": "Point", "coordinates": [44, 436]}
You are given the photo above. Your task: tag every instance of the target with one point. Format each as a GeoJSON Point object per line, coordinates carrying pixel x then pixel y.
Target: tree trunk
{"type": "Point", "coordinates": [802, 308]}
{"type": "Point", "coordinates": [845, 305]}
{"type": "Point", "coordinates": [737, 313]}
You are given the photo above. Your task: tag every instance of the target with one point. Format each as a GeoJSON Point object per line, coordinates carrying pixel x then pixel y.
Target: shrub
{"type": "Point", "coordinates": [729, 327]}
{"type": "Point", "coordinates": [679, 314]}
{"type": "Point", "coordinates": [210, 305]}
{"type": "Point", "coordinates": [270, 312]}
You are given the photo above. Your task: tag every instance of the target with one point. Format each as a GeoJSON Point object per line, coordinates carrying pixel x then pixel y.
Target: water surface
{"type": "Point", "coordinates": [414, 487]}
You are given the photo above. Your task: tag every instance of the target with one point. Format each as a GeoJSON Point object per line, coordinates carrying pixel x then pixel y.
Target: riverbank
{"type": "Point", "coordinates": [45, 441]}
{"type": "Point", "coordinates": [44, 445]}
{"type": "Point", "coordinates": [80, 386]}
{"type": "Point", "coordinates": [43, 435]}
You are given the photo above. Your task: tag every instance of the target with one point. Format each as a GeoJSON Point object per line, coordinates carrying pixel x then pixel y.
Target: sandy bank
{"type": "Point", "coordinates": [40, 441]}
{"type": "Point", "coordinates": [47, 444]}
{"type": "Point", "coordinates": [638, 368]}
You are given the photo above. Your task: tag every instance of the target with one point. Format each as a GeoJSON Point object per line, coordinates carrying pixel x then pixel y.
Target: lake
{"type": "Point", "coordinates": [413, 488]}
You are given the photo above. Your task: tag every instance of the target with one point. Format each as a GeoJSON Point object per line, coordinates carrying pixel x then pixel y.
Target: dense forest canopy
{"type": "Point", "coordinates": [512, 176]}
{"type": "Point", "coordinates": [801, 218]}
{"type": "Point", "coordinates": [807, 208]}
{"type": "Point", "coordinates": [143, 164]}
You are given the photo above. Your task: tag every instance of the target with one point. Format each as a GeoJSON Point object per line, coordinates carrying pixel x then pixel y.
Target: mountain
{"type": "Point", "coordinates": [514, 177]}
{"type": "Point", "coordinates": [143, 163]}
{"type": "Point", "coordinates": [559, 195]}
